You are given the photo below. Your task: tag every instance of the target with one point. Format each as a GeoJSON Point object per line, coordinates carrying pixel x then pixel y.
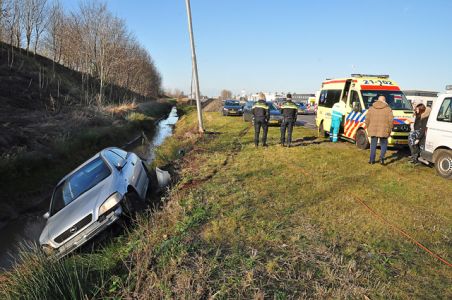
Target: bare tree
{"type": "Point", "coordinates": [27, 18]}
{"type": "Point", "coordinates": [89, 40]}
{"type": "Point", "coordinates": [2, 14]}
{"type": "Point", "coordinates": [225, 94]}
{"type": "Point", "coordinates": [54, 31]}
{"type": "Point", "coordinates": [11, 22]}
{"type": "Point", "coordinates": [40, 21]}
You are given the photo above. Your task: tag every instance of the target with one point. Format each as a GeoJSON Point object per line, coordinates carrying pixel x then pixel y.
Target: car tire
{"type": "Point", "coordinates": [322, 132]}
{"type": "Point", "coordinates": [148, 174]}
{"type": "Point", "coordinates": [443, 163]}
{"type": "Point", "coordinates": [131, 204]}
{"type": "Point", "coordinates": [362, 142]}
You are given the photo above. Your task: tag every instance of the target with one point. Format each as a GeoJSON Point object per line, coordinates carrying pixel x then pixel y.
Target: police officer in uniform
{"type": "Point", "coordinates": [261, 116]}
{"type": "Point", "coordinates": [289, 111]}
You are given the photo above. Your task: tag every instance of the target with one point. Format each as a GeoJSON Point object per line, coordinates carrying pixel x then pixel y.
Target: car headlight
{"type": "Point", "coordinates": [110, 203]}
{"type": "Point", "coordinates": [47, 249]}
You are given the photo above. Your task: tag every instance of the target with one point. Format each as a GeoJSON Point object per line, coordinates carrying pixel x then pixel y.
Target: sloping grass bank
{"type": "Point", "coordinates": [278, 223]}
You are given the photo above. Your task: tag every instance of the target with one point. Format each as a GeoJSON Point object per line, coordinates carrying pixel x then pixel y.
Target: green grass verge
{"type": "Point", "coordinates": [280, 223]}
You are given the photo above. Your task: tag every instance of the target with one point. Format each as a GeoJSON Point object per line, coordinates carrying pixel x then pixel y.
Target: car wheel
{"type": "Point", "coordinates": [362, 142]}
{"type": "Point", "coordinates": [443, 163]}
{"type": "Point", "coordinates": [131, 204]}
{"type": "Point", "coordinates": [148, 174]}
{"type": "Point", "coordinates": [322, 132]}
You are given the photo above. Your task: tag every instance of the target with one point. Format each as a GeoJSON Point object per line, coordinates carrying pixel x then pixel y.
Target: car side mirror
{"type": "Point", "coordinates": [356, 106]}
{"type": "Point", "coordinates": [46, 215]}
{"type": "Point", "coordinates": [121, 164]}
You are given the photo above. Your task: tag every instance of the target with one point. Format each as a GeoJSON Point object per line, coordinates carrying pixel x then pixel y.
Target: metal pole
{"type": "Point", "coordinates": [194, 68]}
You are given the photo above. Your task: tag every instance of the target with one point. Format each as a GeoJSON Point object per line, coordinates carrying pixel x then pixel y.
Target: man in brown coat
{"type": "Point", "coordinates": [379, 120]}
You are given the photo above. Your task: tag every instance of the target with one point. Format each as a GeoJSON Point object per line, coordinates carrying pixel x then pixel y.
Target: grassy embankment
{"type": "Point", "coordinates": [278, 223]}
{"type": "Point", "coordinates": [52, 119]}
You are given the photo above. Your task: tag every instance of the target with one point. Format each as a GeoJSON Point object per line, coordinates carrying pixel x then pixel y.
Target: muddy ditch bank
{"type": "Point", "coordinates": [24, 227]}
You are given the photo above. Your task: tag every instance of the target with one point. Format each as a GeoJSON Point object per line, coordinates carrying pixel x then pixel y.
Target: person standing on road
{"type": "Point", "coordinates": [289, 111]}
{"type": "Point", "coordinates": [379, 122]}
{"type": "Point", "coordinates": [261, 116]}
{"type": "Point", "coordinates": [416, 137]}
{"type": "Point", "coordinates": [337, 112]}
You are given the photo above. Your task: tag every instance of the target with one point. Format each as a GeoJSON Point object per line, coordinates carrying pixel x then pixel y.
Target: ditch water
{"type": "Point", "coordinates": [25, 230]}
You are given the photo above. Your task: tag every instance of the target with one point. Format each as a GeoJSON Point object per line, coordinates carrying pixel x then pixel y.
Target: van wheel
{"type": "Point", "coordinates": [362, 142]}
{"type": "Point", "coordinates": [443, 163]}
{"type": "Point", "coordinates": [322, 132]}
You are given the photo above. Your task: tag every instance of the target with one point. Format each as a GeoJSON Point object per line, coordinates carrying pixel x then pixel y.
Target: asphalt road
{"type": "Point", "coordinates": [307, 121]}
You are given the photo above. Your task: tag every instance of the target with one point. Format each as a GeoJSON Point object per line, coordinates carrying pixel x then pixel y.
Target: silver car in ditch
{"type": "Point", "coordinates": [91, 198]}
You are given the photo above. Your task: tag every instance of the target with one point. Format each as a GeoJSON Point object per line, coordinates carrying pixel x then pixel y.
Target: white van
{"type": "Point", "coordinates": [438, 140]}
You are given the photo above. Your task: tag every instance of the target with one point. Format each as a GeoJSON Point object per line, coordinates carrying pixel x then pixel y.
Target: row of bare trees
{"type": "Point", "coordinates": [89, 40]}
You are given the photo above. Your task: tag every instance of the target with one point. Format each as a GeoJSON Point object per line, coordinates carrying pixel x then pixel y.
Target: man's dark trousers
{"type": "Point", "coordinates": [373, 147]}
{"type": "Point", "coordinates": [287, 124]}
{"type": "Point", "coordinates": [258, 123]}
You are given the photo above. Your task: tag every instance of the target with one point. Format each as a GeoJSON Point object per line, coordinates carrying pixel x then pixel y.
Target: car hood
{"type": "Point", "coordinates": [275, 112]}
{"type": "Point", "coordinates": [233, 106]}
{"type": "Point", "coordinates": [85, 204]}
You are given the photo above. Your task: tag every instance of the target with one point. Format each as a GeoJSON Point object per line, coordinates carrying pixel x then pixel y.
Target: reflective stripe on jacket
{"type": "Point", "coordinates": [261, 110]}
{"type": "Point", "coordinates": [289, 110]}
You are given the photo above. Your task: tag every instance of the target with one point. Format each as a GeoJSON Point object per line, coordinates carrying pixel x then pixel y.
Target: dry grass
{"type": "Point", "coordinates": [121, 109]}
{"type": "Point", "coordinates": [247, 223]}
{"type": "Point", "coordinates": [283, 223]}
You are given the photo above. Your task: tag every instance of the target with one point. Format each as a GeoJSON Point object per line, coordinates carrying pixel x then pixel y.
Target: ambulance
{"type": "Point", "coordinates": [359, 92]}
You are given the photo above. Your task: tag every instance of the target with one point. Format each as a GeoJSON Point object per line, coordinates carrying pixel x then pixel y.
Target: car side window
{"type": "Point", "coordinates": [445, 111]}
{"type": "Point", "coordinates": [120, 152]}
{"type": "Point", "coordinates": [113, 158]}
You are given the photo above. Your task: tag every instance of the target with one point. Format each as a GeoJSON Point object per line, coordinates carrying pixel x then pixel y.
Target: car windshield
{"type": "Point", "coordinates": [395, 99]}
{"type": "Point", "coordinates": [271, 106]}
{"type": "Point", "coordinates": [78, 183]}
{"type": "Point", "coordinates": [232, 103]}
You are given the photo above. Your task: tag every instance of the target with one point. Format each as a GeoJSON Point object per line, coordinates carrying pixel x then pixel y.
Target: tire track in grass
{"type": "Point", "coordinates": [236, 148]}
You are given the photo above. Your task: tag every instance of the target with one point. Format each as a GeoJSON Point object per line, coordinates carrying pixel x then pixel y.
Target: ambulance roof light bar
{"type": "Point", "coordinates": [368, 75]}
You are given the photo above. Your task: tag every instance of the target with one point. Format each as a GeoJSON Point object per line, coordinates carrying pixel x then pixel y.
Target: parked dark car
{"type": "Point", "coordinates": [232, 108]}
{"type": "Point", "coordinates": [275, 114]}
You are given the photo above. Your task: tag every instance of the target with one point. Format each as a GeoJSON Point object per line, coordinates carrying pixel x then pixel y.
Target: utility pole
{"type": "Point", "coordinates": [194, 68]}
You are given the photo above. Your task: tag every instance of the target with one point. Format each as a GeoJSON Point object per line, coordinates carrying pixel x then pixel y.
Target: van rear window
{"type": "Point", "coordinates": [329, 97]}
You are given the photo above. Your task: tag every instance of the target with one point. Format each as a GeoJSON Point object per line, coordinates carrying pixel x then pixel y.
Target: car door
{"type": "Point", "coordinates": [247, 111]}
{"type": "Point", "coordinates": [439, 133]}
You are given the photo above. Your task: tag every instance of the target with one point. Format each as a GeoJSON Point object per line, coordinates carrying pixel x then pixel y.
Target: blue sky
{"type": "Point", "coordinates": [293, 45]}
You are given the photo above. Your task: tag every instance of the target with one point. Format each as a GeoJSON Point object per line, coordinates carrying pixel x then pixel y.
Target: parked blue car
{"type": "Point", "coordinates": [232, 108]}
